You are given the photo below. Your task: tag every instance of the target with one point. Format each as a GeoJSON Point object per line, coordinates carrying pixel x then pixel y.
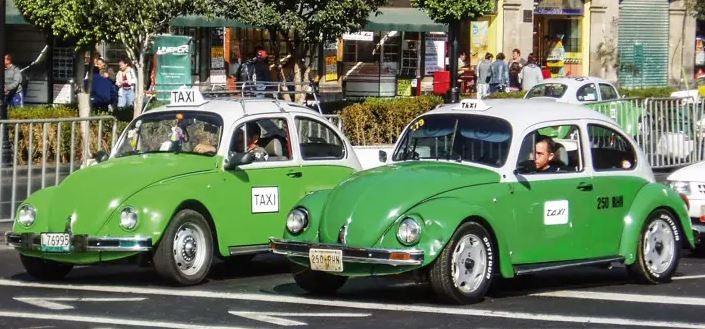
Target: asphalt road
{"type": "Point", "coordinates": [261, 294]}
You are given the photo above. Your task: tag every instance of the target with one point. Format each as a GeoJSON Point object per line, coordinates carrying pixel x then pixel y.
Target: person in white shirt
{"type": "Point", "coordinates": [126, 80]}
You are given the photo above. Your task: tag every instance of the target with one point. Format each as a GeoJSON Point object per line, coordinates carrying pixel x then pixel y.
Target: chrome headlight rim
{"type": "Point", "coordinates": [409, 231]}
{"type": "Point", "coordinates": [297, 221]}
{"type": "Point", "coordinates": [129, 218]}
{"type": "Point", "coordinates": [26, 215]}
{"type": "Point", "coordinates": [680, 186]}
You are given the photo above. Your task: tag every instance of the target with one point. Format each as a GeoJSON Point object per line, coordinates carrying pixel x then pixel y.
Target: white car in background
{"type": "Point", "coordinates": [575, 90]}
{"type": "Point", "coordinates": [690, 183]}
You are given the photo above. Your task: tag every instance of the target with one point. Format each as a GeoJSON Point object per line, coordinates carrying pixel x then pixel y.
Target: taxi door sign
{"type": "Point", "coordinates": [265, 199]}
{"type": "Point", "coordinates": [186, 96]}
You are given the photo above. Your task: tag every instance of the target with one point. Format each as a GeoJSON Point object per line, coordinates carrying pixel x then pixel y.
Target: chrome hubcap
{"type": "Point", "coordinates": [469, 263]}
{"type": "Point", "coordinates": [189, 250]}
{"type": "Point", "coordinates": [659, 246]}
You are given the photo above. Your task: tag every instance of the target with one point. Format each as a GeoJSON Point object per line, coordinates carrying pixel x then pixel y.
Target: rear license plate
{"type": "Point", "coordinates": [55, 242]}
{"type": "Point", "coordinates": [326, 260]}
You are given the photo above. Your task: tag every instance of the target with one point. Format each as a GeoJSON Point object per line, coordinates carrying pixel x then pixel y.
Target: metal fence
{"type": "Point", "coordinates": [42, 152]}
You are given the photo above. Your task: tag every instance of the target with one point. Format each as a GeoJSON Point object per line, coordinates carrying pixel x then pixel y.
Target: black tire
{"type": "Point", "coordinates": [43, 269]}
{"type": "Point", "coordinates": [442, 271]}
{"type": "Point", "coordinates": [185, 252]}
{"type": "Point", "coordinates": [317, 282]}
{"type": "Point", "coordinates": [658, 249]}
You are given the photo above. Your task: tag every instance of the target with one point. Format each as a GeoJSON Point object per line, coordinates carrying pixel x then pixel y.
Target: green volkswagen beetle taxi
{"type": "Point", "coordinates": [479, 190]}
{"type": "Point", "coordinates": [183, 183]}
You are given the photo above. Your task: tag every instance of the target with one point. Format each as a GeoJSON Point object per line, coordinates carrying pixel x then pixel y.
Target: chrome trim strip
{"type": "Point", "coordinates": [244, 250]}
{"type": "Point", "coordinates": [373, 256]}
{"type": "Point", "coordinates": [85, 243]}
{"type": "Point", "coordinates": [564, 264]}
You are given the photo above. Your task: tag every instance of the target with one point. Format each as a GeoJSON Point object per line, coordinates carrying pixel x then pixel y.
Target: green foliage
{"type": "Point", "coordinates": [510, 94]}
{"type": "Point", "coordinates": [41, 112]}
{"type": "Point", "coordinates": [444, 11]}
{"type": "Point", "coordinates": [380, 121]}
{"type": "Point", "coordinates": [647, 92]}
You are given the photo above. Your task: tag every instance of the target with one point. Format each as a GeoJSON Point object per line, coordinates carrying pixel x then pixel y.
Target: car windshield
{"type": "Point", "coordinates": [174, 131]}
{"type": "Point", "coordinates": [555, 90]}
{"type": "Point", "coordinates": [474, 138]}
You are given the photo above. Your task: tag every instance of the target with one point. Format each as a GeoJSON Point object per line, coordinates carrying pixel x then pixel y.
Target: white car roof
{"type": "Point", "coordinates": [232, 110]}
{"type": "Point", "coordinates": [575, 81]}
{"type": "Point", "coordinates": [523, 113]}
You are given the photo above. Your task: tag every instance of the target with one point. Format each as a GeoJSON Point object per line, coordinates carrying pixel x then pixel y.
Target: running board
{"type": "Point", "coordinates": [246, 250]}
{"type": "Point", "coordinates": [532, 268]}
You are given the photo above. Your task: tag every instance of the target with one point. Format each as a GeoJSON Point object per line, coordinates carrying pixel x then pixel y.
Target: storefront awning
{"type": "Point", "coordinates": [12, 14]}
{"type": "Point", "coordinates": [203, 21]}
{"type": "Point", "coordinates": [403, 19]}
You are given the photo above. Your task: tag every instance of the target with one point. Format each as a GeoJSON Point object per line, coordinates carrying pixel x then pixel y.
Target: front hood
{"type": "Point", "coordinates": [91, 194]}
{"type": "Point", "coordinates": [371, 200]}
{"type": "Point", "coordinates": [692, 173]}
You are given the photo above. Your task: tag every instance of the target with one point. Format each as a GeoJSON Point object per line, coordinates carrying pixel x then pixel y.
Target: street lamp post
{"type": "Point", "coordinates": [4, 142]}
{"type": "Point", "coordinates": [453, 31]}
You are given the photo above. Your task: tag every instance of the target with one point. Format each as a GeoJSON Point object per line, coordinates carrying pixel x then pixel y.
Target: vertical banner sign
{"type": "Point", "coordinates": [173, 54]}
{"type": "Point", "coordinates": [434, 56]}
{"type": "Point", "coordinates": [331, 68]}
{"type": "Point", "coordinates": [478, 41]}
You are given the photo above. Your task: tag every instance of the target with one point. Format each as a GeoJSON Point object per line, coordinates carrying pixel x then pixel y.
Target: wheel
{"type": "Point", "coordinates": [185, 252]}
{"type": "Point", "coordinates": [658, 249]}
{"type": "Point", "coordinates": [462, 273]}
{"type": "Point", "coordinates": [317, 282]}
{"type": "Point", "coordinates": [43, 269]}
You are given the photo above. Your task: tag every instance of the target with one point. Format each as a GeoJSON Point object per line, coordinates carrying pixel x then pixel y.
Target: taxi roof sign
{"type": "Point", "coordinates": [473, 104]}
{"type": "Point", "coordinates": [185, 96]}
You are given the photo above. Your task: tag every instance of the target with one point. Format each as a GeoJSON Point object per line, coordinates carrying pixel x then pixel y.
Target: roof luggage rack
{"type": "Point", "coordinates": [263, 90]}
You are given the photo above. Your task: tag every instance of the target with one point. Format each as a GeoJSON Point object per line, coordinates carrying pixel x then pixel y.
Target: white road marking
{"type": "Point", "coordinates": [276, 317]}
{"type": "Point", "coordinates": [634, 298]}
{"type": "Point", "coordinates": [466, 310]}
{"type": "Point", "coordinates": [688, 277]}
{"type": "Point", "coordinates": [113, 321]}
{"type": "Point", "coordinates": [51, 303]}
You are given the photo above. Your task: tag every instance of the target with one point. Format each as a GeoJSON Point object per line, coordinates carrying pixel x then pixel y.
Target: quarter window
{"type": "Point", "coordinates": [608, 92]}
{"type": "Point", "coordinates": [587, 93]}
{"type": "Point", "coordinates": [610, 150]}
{"type": "Point", "coordinates": [317, 141]}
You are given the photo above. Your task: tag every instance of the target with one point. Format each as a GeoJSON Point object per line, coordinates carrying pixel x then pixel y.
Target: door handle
{"type": "Point", "coordinates": [295, 174]}
{"type": "Point", "coordinates": [585, 187]}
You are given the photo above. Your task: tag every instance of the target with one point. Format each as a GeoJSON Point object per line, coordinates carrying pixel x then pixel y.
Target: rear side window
{"type": "Point", "coordinates": [608, 92]}
{"type": "Point", "coordinates": [317, 141]}
{"type": "Point", "coordinates": [610, 150]}
{"type": "Point", "coordinates": [587, 93]}
{"type": "Point", "coordinates": [555, 90]}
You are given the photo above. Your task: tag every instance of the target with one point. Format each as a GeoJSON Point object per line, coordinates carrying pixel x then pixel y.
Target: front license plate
{"type": "Point", "coordinates": [55, 242]}
{"type": "Point", "coordinates": [326, 260]}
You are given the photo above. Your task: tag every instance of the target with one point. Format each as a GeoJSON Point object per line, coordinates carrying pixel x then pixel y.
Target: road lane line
{"type": "Point", "coordinates": [52, 302]}
{"type": "Point", "coordinates": [278, 317]}
{"type": "Point", "coordinates": [621, 297]}
{"type": "Point", "coordinates": [460, 311]}
{"type": "Point", "coordinates": [104, 320]}
{"type": "Point", "coordinates": [688, 277]}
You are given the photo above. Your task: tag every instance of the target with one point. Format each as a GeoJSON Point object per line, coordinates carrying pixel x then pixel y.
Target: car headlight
{"type": "Point", "coordinates": [680, 187]}
{"type": "Point", "coordinates": [409, 231]}
{"type": "Point", "coordinates": [26, 215]}
{"type": "Point", "coordinates": [297, 220]}
{"type": "Point", "coordinates": [128, 218]}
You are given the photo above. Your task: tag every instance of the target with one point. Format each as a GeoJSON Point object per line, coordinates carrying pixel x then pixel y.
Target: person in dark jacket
{"type": "Point", "coordinates": [13, 83]}
{"type": "Point", "coordinates": [103, 93]}
{"type": "Point", "coordinates": [261, 75]}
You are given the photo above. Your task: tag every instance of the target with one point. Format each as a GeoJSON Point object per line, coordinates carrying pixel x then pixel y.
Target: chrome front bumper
{"type": "Point", "coordinates": [82, 242]}
{"type": "Point", "coordinates": [350, 255]}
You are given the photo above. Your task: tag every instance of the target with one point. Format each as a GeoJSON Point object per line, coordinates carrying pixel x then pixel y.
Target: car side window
{"type": "Point", "coordinates": [553, 149]}
{"type": "Point", "coordinates": [610, 150]}
{"type": "Point", "coordinates": [317, 141]}
{"type": "Point", "coordinates": [268, 139]}
{"type": "Point", "coordinates": [587, 93]}
{"type": "Point", "coordinates": [608, 92]}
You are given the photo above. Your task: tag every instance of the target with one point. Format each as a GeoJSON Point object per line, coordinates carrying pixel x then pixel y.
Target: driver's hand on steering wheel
{"type": "Point", "coordinates": [204, 148]}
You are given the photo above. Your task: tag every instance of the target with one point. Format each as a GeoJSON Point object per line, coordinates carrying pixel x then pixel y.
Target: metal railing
{"type": "Point", "coordinates": [44, 151]}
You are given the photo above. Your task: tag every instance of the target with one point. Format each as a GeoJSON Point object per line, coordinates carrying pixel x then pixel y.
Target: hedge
{"type": "Point", "coordinates": [510, 94]}
{"type": "Point", "coordinates": [380, 121]}
{"type": "Point", "coordinates": [647, 92]}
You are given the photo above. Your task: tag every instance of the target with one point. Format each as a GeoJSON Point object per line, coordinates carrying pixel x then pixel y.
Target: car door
{"type": "Point", "coordinates": [326, 159]}
{"type": "Point", "coordinates": [256, 197]}
{"type": "Point", "coordinates": [551, 206]}
{"type": "Point", "coordinates": [616, 183]}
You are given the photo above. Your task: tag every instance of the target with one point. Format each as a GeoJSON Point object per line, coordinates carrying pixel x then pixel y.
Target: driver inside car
{"type": "Point", "coordinates": [254, 133]}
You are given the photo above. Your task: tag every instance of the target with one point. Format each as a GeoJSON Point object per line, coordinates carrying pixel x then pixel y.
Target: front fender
{"type": "Point", "coordinates": [440, 219]}
{"type": "Point", "coordinates": [315, 203]}
{"type": "Point", "coordinates": [650, 198]}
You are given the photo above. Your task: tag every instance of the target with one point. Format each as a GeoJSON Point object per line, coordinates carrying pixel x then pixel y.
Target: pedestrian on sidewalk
{"type": "Point", "coordinates": [13, 83]}
{"type": "Point", "coordinates": [126, 80]}
{"type": "Point", "coordinates": [499, 74]}
{"type": "Point", "coordinates": [530, 75]}
{"type": "Point", "coordinates": [483, 76]}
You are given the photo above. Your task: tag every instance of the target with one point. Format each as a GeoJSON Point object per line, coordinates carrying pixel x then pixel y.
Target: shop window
{"type": "Point", "coordinates": [570, 30]}
{"type": "Point", "coordinates": [62, 64]}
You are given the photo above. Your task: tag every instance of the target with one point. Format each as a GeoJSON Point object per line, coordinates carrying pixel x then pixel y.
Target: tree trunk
{"type": "Point", "coordinates": [139, 93]}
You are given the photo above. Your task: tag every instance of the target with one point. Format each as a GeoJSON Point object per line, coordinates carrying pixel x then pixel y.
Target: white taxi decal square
{"type": "Point", "coordinates": [265, 199]}
{"type": "Point", "coordinates": [555, 212]}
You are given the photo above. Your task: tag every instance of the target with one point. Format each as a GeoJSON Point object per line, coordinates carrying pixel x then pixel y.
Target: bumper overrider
{"type": "Point", "coordinates": [82, 242]}
{"type": "Point", "coordinates": [350, 255]}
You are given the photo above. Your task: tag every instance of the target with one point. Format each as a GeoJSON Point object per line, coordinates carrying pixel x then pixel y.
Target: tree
{"type": "Point", "coordinates": [302, 24]}
{"type": "Point", "coordinates": [133, 23]}
{"type": "Point", "coordinates": [452, 13]}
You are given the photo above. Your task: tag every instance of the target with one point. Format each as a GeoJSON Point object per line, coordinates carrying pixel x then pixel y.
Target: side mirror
{"type": "Point", "coordinates": [382, 156]}
{"type": "Point", "coordinates": [100, 156]}
{"type": "Point", "coordinates": [239, 159]}
{"type": "Point", "coordinates": [525, 167]}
